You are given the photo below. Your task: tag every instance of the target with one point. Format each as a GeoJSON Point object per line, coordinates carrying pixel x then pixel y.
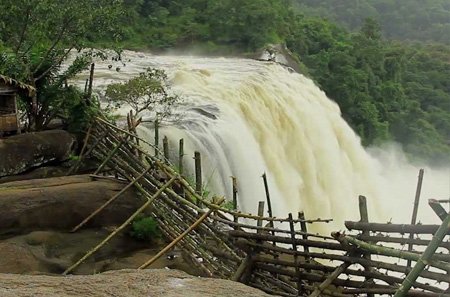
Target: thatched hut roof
{"type": "Point", "coordinates": [29, 90]}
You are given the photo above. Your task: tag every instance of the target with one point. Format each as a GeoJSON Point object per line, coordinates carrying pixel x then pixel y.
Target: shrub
{"type": "Point", "coordinates": [145, 228]}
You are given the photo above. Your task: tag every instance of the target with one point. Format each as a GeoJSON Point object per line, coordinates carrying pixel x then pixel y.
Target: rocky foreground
{"type": "Point", "coordinates": [129, 283]}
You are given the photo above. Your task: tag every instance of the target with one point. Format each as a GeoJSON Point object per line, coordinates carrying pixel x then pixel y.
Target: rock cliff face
{"type": "Point", "coordinates": [22, 152]}
{"type": "Point", "coordinates": [129, 283]}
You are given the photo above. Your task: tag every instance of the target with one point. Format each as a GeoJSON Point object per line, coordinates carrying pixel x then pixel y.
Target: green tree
{"type": "Point", "coordinates": [40, 34]}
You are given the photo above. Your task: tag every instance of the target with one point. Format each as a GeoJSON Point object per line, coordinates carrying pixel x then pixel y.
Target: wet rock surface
{"type": "Point", "coordinates": [130, 283]}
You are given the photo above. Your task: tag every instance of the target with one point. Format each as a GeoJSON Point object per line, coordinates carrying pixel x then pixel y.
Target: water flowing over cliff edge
{"type": "Point", "coordinates": [248, 117]}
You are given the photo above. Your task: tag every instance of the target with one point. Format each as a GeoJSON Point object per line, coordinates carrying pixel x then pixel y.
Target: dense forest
{"type": "Point", "coordinates": [387, 89]}
{"type": "Point", "coordinates": [425, 20]}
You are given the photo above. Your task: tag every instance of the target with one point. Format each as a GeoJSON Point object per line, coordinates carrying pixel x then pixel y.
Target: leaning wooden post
{"type": "Point", "coordinates": [91, 80]}
{"type": "Point", "coordinates": [326, 283]}
{"type": "Point", "coordinates": [121, 227]}
{"type": "Point", "coordinates": [180, 156]}
{"type": "Point", "coordinates": [269, 204]}
{"type": "Point", "coordinates": [198, 175]}
{"type": "Point", "coordinates": [156, 137]}
{"type": "Point", "coordinates": [415, 210]}
{"type": "Point", "coordinates": [423, 261]}
{"type": "Point", "coordinates": [111, 154]}
{"type": "Point", "coordinates": [301, 217]}
{"type": "Point", "coordinates": [180, 237]}
{"type": "Point", "coordinates": [86, 87]}
{"type": "Point", "coordinates": [364, 219]}
{"type": "Point", "coordinates": [235, 192]}
{"type": "Point", "coordinates": [294, 248]}
{"type": "Point", "coordinates": [259, 222]}
{"type": "Point", "coordinates": [166, 149]}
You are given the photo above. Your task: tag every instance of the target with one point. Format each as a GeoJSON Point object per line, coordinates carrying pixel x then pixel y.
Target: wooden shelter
{"type": "Point", "coordinates": [9, 88]}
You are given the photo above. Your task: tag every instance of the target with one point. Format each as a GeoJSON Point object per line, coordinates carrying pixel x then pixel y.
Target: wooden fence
{"type": "Point", "coordinates": [276, 255]}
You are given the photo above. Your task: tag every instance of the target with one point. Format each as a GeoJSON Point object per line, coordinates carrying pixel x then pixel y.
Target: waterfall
{"type": "Point", "coordinates": [249, 117]}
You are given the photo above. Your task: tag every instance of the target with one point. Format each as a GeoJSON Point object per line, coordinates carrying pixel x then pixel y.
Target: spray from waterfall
{"type": "Point", "coordinates": [249, 117]}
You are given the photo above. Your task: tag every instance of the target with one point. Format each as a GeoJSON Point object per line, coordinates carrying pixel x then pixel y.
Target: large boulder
{"type": "Point", "coordinates": [61, 203]}
{"type": "Point", "coordinates": [130, 283]}
{"type": "Point", "coordinates": [24, 151]}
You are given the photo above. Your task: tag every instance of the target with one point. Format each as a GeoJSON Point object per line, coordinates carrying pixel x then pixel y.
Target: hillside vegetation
{"type": "Point", "coordinates": [388, 90]}
{"type": "Point", "coordinates": [425, 20]}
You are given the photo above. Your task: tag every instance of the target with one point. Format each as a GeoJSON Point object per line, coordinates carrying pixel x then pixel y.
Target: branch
{"type": "Point", "coordinates": [59, 62]}
{"type": "Point", "coordinates": [24, 30]}
{"type": "Point", "coordinates": [55, 43]}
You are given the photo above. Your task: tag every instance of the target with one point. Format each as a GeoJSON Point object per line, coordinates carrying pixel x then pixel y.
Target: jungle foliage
{"type": "Point", "coordinates": [387, 89]}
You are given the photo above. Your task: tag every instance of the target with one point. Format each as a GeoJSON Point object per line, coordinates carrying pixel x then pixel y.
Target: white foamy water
{"type": "Point", "coordinates": [248, 117]}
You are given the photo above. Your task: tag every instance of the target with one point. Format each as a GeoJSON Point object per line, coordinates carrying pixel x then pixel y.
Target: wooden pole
{"type": "Point", "coordinates": [180, 156]}
{"type": "Point", "coordinates": [83, 149]}
{"type": "Point", "coordinates": [156, 138]}
{"type": "Point", "coordinates": [424, 259]}
{"type": "Point", "coordinates": [415, 210]}
{"type": "Point", "coordinates": [180, 237]}
{"type": "Point", "coordinates": [86, 86]}
{"type": "Point", "coordinates": [301, 217]}
{"type": "Point", "coordinates": [390, 252]}
{"type": "Point", "coordinates": [121, 227]}
{"type": "Point", "coordinates": [266, 188]}
{"type": "Point", "coordinates": [365, 219]}
{"type": "Point", "coordinates": [235, 203]}
{"type": "Point", "coordinates": [91, 80]}
{"type": "Point", "coordinates": [326, 283]}
{"type": "Point", "coordinates": [245, 265]}
{"type": "Point", "coordinates": [111, 154]}
{"type": "Point", "coordinates": [294, 248]}
{"type": "Point", "coordinates": [198, 175]}
{"type": "Point", "coordinates": [98, 210]}
{"type": "Point", "coordinates": [259, 222]}
{"type": "Point", "coordinates": [166, 149]}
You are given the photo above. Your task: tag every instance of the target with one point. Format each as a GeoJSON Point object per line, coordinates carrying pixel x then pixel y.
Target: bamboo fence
{"type": "Point", "coordinates": [259, 250]}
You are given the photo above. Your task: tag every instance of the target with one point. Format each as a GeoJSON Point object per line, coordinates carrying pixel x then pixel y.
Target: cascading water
{"type": "Point", "coordinates": [249, 117]}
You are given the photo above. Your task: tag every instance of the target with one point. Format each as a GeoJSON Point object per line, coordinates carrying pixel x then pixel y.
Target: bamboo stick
{"type": "Point", "coordinates": [245, 265]}
{"type": "Point", "coordinates": [156, 138]}
{"type": "Point", "coordinates": [393, 228]}
{"type": "Point", "coordinates": [364, 213]}
{"type": "Point", "coordinates": [83, 149]}
{"type": "Point", "coordinates": [166, 149]}
{"type": "Point", "coordinates": [180, 156]}
{"type": "Point", "coordinates": [438, 209]}
{"type": "Point", "coordinates": [334, 257]}
{"type": "Point", "coordinates": [198, 176]}
{"type": "Point", "coordinates": [280, 239]}
{"type": "Point", "coordinates": [98, 210]}
{"type": "Point", "coordinates": [175, 241]}
{"type": "Point", "coordinates": [326, 283]}
{"type": "Point", "coordinates": [388, 291]}
{"type": "Point", "coordinates": [116, 130]}
{"type": "Point", "coordinates": [111, 154]}
{"type": "Point", "coordinates": [188, 187]}
{"type": "Point", "coordinates": [390, 252]}
{"type": "Point", "coordinates": [91, 81]}
{"type": "Point", "coordinates": [415, 210]}
{"type": "Point", "coordinates": [400, 240]}
{"type": "Point", "coordinates": [392, 280]}
{"type": "Point", "coordinates": [121, 227]}
{"type": "Point", "coordinates": [424, 259]}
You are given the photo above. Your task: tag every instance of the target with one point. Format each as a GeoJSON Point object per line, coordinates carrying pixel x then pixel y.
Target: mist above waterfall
{"type": "Point", "coordinates": [248, 117]}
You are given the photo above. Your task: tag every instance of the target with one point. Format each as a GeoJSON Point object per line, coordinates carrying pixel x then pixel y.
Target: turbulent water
{"type": "Point", "coordinates": [248, 117]}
